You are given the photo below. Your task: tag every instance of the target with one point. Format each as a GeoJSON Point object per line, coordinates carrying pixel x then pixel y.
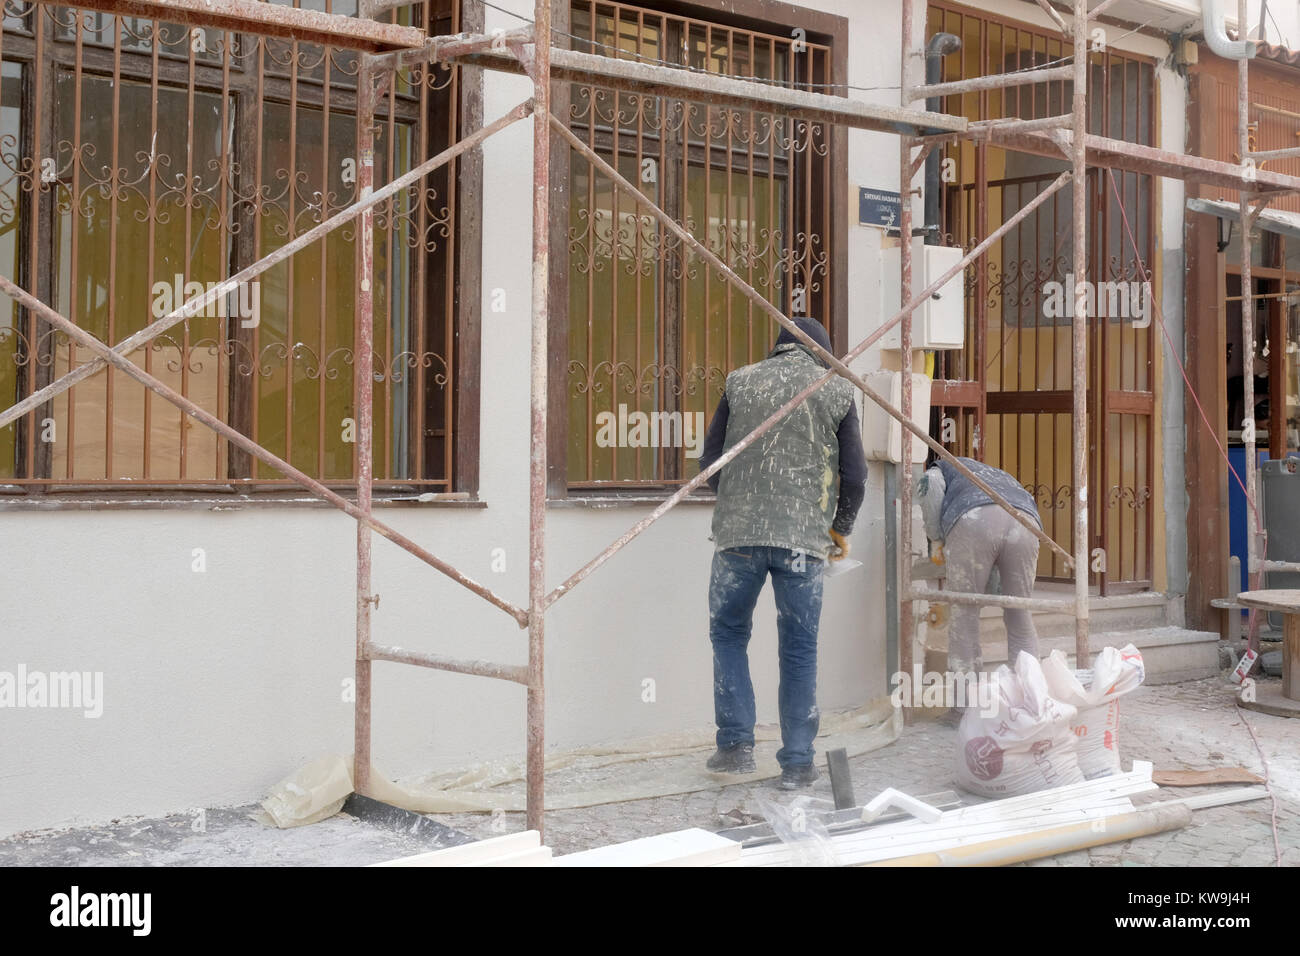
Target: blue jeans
{"type": "Point", "coordinates": [737, 578]}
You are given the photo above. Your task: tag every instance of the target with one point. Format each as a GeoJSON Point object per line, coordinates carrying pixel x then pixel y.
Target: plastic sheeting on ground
{"type": "Point", "coordinates": [649, 767]}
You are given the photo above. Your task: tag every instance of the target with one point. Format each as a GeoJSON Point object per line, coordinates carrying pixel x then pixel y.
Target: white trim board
{"type": "Point", "coordinates": [886, 842]}
{"type": "Point", "coordinates": [473, 854]}
{"type": "Point", "coordinates": [693, 847]}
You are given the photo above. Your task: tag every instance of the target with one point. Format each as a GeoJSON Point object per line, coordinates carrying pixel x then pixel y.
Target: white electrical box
{"type": "Point", "coordinates": [939, 323]}
{"type": "Point", "coordinates": [882, 434]}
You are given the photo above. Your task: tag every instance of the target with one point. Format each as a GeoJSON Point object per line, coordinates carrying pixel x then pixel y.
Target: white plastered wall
{"type": "Point", "coordinates": [218, 684]}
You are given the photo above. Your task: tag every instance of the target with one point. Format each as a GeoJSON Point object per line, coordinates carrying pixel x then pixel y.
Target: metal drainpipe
{"type": "Point", "coordinates": [1214, 16]}
{"type": "Point", "coordinates": [940, 45]}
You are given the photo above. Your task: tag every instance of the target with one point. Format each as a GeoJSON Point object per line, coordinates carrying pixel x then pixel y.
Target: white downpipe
{"type": "Point", "coordinates": [1214, 17]}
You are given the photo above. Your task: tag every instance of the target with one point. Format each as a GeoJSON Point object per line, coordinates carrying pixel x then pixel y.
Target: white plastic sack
{"type": "Point", "coordinates": [1026, 746]}
{"type": "Point", "coordinates": [1095, 695]}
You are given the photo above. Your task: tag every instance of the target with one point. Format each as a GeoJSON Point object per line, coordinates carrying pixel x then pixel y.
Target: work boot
{"type": "Point", "coordinates": [737, 759]}
{"type": "Point", "coordinates": [796, 778]}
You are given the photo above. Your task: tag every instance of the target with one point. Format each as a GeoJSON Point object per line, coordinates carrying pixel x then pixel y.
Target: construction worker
{"type": "Point", "coordinates": [979, 542]}
{"type": "Point", "coordinates": [786, 504]}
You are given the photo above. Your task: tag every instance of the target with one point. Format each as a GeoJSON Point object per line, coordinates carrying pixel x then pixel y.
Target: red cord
{"type": "Point", "coordinates": [1174, 353]}
{"type": "Point", "coordinates": [1256, 577]}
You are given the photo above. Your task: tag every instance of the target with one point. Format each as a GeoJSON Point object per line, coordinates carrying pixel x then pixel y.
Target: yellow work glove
{"type": "Point", "coordinates": [937, 556]}
{"type": "Point", "coordinates": [841, 549]}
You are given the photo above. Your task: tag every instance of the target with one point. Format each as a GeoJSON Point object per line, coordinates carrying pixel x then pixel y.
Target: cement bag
{"type": "Point", "coordinates": [1095, 695]}
{"type": "Point", "coordinates": [1026, 745]}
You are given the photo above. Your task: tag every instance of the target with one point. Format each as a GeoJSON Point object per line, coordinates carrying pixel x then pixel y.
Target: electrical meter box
{"type": "Point", "coordinates": [939, 323]}
{"type": "Point", "coordinates": [882, 434]}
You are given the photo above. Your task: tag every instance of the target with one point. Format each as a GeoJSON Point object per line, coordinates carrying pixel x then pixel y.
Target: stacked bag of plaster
{"type": "Point", "coordinates": [1025, 744]}
{"type": "Point", "coordinates": [1095, 695]}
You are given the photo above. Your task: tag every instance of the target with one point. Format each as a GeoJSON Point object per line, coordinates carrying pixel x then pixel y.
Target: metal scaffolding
{"type": "Point", "coordinates": [385, 48]}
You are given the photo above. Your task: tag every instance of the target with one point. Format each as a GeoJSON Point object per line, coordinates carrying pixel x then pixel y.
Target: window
{"type": "Point", "coordinates": [141, 162]}
{"type": "Point", "coordinates": [652, 330]}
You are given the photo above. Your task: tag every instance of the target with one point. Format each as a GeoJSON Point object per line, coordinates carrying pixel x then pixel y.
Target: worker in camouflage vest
{"type": "Point", "coordinates": [786, 504]}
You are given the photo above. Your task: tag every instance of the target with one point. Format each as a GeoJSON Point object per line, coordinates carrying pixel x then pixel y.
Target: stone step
{"type": "Point", "coordinates": [1123, 612]}
{"type": "Point", "coordinates": [1169, 654]}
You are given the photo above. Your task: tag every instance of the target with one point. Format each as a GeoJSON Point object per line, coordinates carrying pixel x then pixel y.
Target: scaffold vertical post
{"type": "Point", "coordinates": [364, 411]}
{"type": "Point", "coordinates": [906, 612]}
{"type": "Point", "coordinates": [536, 751]}
{"type": "Point", "coordinates": [1079, 416]}
{"type": "Point", "coordinates": [1253, 575]}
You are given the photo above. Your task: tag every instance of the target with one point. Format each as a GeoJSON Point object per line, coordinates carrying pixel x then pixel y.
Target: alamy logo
{"type": "Point", "coordinates": [76, 690]}
{"type": "Point", "coordinates": [245, 300]}
{"type": "Point", "coordinates": [965, 690]}
{"type": "Point", "coordinates": [1106, 300]}
{"type": "Point", "coordinates": [637, 429]}
{"type": "Point", "coordinates": [75, 908]}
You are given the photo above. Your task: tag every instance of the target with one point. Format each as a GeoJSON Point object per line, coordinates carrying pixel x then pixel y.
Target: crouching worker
{"type": "Point", "coordinates": [786, 504]}
{"type": "Point", "coordinates": [980, 539]}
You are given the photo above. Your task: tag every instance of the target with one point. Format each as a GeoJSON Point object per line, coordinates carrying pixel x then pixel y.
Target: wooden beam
{"type": "Point", "coordinates": [1133, 157]}
{"type": "Point", "coordinates": [678, 83]}
{"type": "Point", "coordinates": [270, 19]}
{"type": "Point", "coordinates": [1206, 351]}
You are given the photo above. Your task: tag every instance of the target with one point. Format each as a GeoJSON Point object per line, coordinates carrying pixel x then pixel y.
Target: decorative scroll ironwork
{"type": "Point", "coordinates": [650, 324]}
{"type": "Point", "coordinates": [171, 157]}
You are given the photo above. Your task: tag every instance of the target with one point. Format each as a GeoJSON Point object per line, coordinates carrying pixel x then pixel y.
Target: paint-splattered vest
{"type": "Point", "coordinates": [782, 490]}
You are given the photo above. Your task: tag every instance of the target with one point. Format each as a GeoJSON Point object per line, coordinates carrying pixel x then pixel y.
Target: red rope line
{"type": "Point", "coordinates": [1250, 499]}
{"type": "Point", "coordinates": [1254, 579]}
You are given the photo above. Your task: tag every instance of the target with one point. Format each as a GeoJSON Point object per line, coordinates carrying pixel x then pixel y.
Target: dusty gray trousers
{"type": "Point", "coordinates": [981, 539]}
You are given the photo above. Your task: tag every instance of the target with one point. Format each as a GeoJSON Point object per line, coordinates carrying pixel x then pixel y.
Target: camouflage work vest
{"type": "Point", "coordinates": [783, 489]}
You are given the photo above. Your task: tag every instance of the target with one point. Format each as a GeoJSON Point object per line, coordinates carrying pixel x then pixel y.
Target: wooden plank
{"type": "Point", "coordinates": [1222, 798]}
{"type": "Point", "coordinates": [1282, 600]}
{"type": "Point", "coordinates": [951, 393]}
{"type": "Point", "coordinates": [1026, 402]}
{"type": "Point", "coordinates": [1130, 403]}
{"type": "Point", "coordinates": [271, 19]}
{"type": "Point", "coordinates": [697, 86]}
{"type": "Point", "coordinates": [1196, 778]}
{"type": "Point", "coordinates": [1207, 473]}
{"type": "Point", "coordinates": [1110, 153]}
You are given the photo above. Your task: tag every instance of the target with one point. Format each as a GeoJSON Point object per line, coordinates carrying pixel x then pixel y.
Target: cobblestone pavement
{"type": "Point", "coordinates": [1193, 725]}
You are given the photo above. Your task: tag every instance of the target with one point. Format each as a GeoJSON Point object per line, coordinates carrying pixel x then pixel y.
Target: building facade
{"type": "Point", "coordinates": [144, 161]}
